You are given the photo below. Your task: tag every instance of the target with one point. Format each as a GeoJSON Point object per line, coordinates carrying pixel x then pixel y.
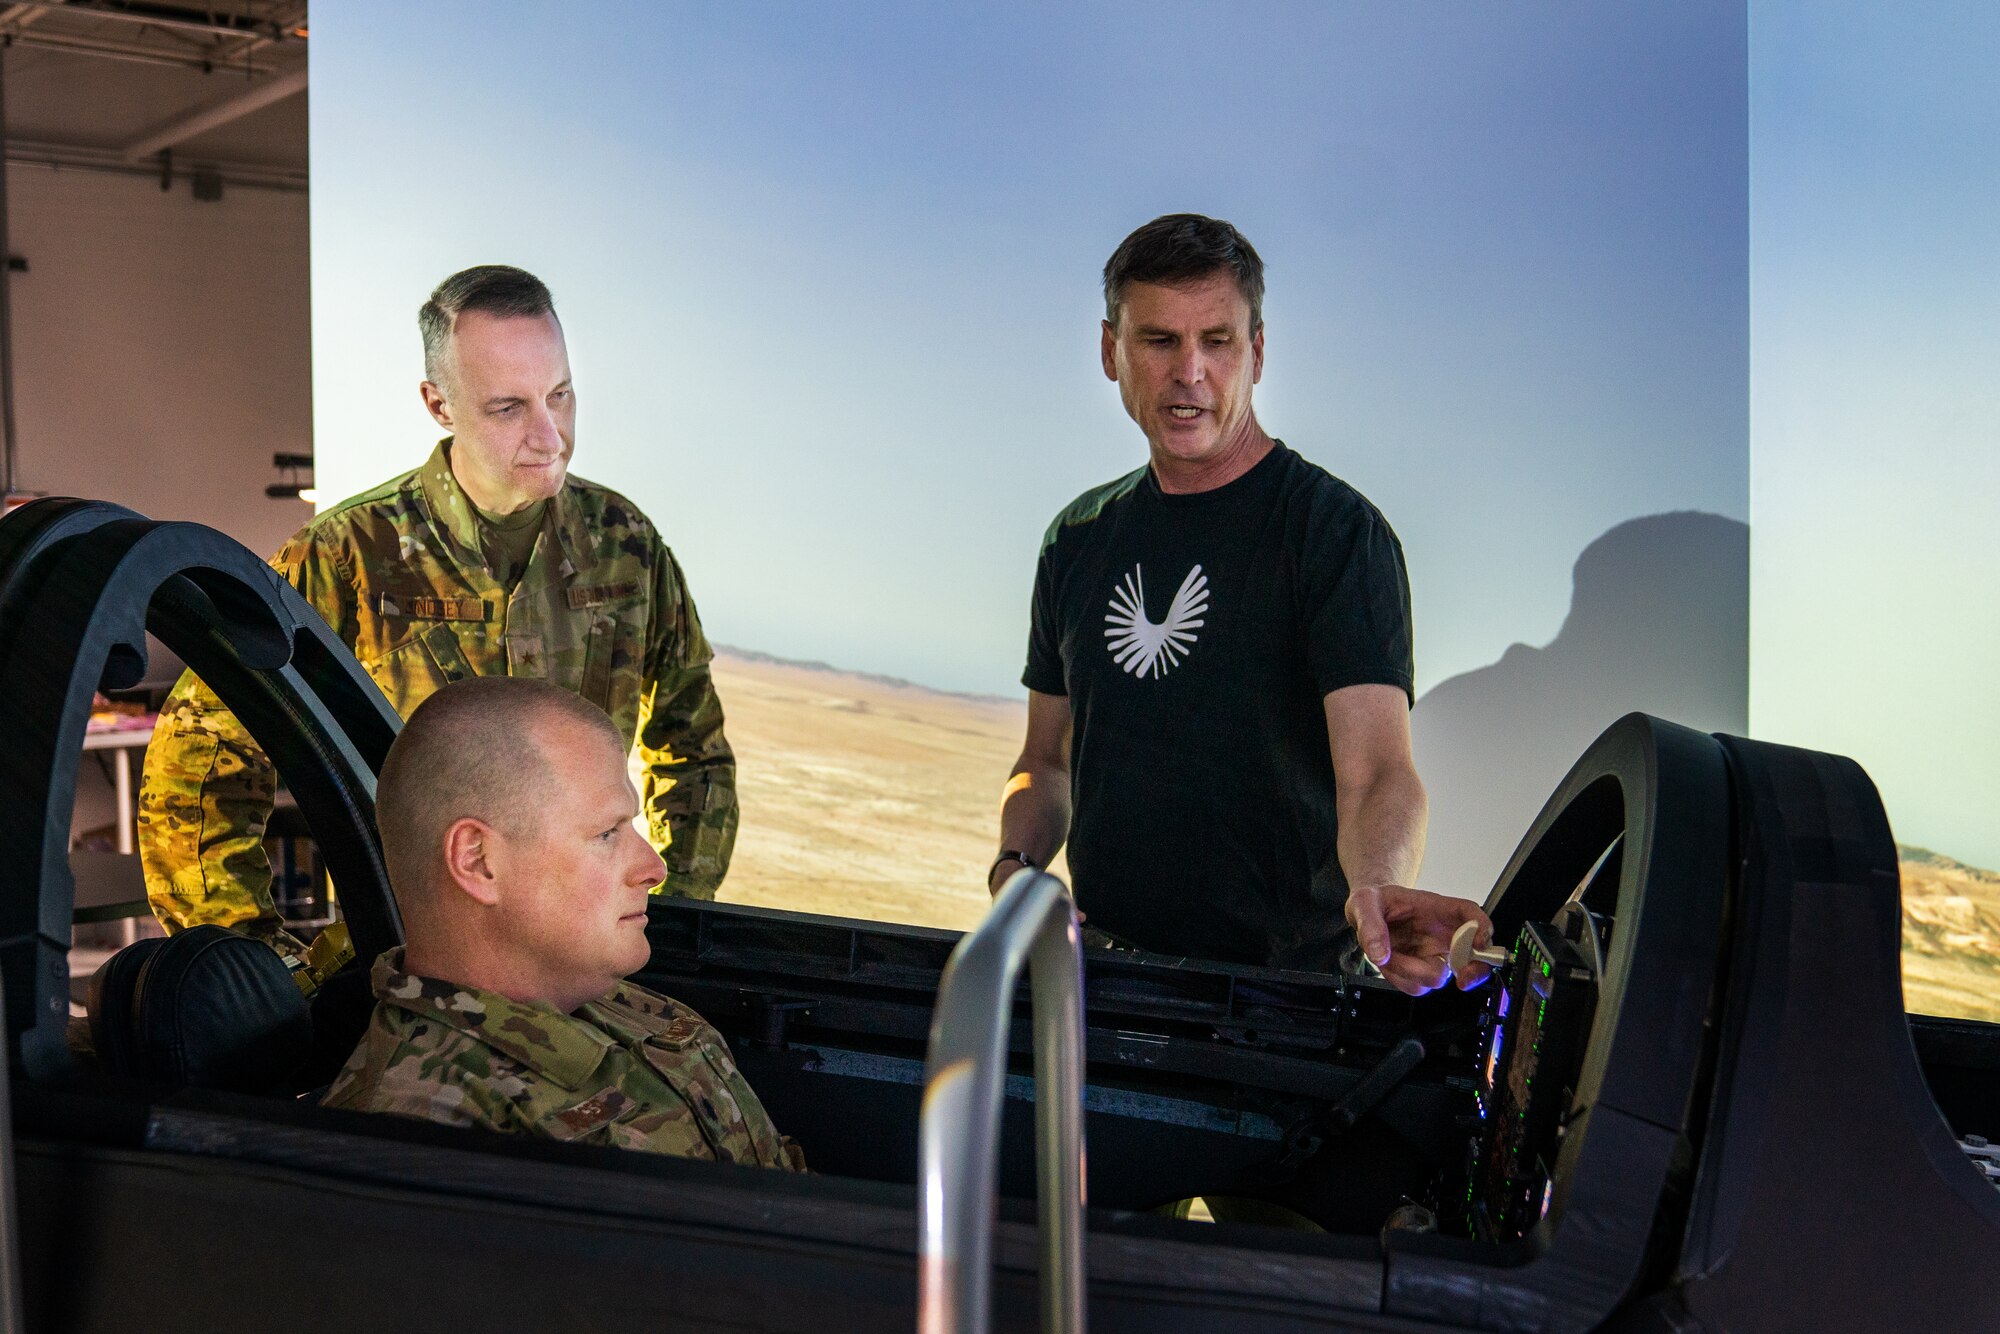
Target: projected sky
{"type": "Point", "coordinates": [830, 277]}
{"type": "Point", "coordinates": [1876, 366]}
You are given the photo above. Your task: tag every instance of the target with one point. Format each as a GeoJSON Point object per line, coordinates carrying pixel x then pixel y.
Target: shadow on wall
{"type": "Point", "coordinates": [1659, 621]}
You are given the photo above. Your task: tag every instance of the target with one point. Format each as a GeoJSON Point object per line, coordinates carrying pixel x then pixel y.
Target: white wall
{"type": "Point", "coordinates": [161, 347]}
{"type": "Point", "coordinates": [161, 356]}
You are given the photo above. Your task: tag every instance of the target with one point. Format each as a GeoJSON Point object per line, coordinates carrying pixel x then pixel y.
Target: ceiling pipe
{"type": "Point", "coordinates": [84, 157]}
{"type": "Point", "coordinates": [231, 40]}
{"type": "Point", "coordinates": [16, 17]}
{"type": "Point", "coordinates": [180, 56]}
{"type": "Point", "coordinates": [203, 119]}
{"type": "Point", "coordinates": [185, 18]}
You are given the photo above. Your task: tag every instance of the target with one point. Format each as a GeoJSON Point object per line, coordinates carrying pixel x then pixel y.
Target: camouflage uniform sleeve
{"type": "Point", "coordinates": [440, 1076]}
{"type": "Point", "coordinates": [690, 772]}
{"type": "Point", "coordinates": [207, 789]}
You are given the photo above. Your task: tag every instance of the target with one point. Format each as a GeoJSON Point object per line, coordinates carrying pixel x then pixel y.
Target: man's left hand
{"type": "Point", "coordinates": [1406, 933]}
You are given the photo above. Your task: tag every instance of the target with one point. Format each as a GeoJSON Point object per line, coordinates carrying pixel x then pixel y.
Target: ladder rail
{"type": "Point", "coordinates": [1032, 924]}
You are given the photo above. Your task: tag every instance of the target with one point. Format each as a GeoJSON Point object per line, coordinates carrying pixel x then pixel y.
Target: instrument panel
{"type": "Point", "coordinates": [1535, 1026]}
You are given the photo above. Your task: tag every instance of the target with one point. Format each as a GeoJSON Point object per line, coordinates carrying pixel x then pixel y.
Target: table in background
{"type": "Point", "coordinates": [110, 886]}
{"type": "Point", "coordinates": [122, 740]}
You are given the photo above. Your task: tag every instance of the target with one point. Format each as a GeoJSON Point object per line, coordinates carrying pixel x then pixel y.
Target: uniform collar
{"type": "Point", "coordinates": [454, 515]}
{"type": "Point", "coordinates": [554, 1045]}
{"type": "Point", "coordinates": [630, 1013]}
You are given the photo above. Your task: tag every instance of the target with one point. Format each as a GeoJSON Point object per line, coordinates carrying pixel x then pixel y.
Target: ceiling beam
{"type": "Point", "coordinates": [187, 18]}
{"type": "Point", "coordinates": [216, 114]}
{"type": "Point", "coordinates": [155, 33]}
{"type": "Point", "coordinates": [180, 56]}
{"type": "Point", "coordinates": [86, 157]}
{"type": "Point", "coordinates": [16, 17]}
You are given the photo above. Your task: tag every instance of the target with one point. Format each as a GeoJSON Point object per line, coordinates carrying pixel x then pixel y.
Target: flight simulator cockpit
{"type": "Point", "coordinates": [1688, 1098]}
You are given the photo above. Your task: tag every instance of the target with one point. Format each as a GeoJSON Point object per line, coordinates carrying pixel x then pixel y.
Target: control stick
{"type": "Point", "coordinates": [1464, 952]}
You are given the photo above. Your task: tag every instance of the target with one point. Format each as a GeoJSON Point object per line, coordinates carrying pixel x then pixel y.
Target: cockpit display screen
{"type": "Point", "coordinates": [1532, 1055]}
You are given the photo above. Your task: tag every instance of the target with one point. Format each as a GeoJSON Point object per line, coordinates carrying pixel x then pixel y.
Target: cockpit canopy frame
{"type": "Point", "coordinates": [81, 584]}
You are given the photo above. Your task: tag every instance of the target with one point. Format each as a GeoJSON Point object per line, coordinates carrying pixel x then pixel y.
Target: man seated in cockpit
{"type": "Point", "coordinates": [506, 816]}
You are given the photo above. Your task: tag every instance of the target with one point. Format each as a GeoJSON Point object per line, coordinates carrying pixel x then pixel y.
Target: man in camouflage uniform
{"type": "Point", "coordinates": [488, 560]}
{"type": "Point", "coordinates": [507, 828]}
{"type": "Point", "coordinates": [631, 1069]}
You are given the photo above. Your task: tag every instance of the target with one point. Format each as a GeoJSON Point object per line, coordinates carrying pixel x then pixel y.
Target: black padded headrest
{"type": "Point", "coordinates": [341, 1009]}
{"type": "Point", "coordinates": [206, 1008]}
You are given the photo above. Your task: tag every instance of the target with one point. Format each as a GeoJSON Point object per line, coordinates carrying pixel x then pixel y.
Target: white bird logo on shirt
{"type": "Point", "coordinates": [1142, 647]}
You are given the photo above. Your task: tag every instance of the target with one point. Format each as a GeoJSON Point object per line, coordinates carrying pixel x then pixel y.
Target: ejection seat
{"type": "Point", "coordinates": [204, 1009]}
{"type": "Point", "coordinates": [81, 584]}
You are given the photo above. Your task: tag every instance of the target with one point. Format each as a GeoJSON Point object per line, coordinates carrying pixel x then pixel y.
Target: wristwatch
{"type": "Point", "coordinates": [1007, 855]}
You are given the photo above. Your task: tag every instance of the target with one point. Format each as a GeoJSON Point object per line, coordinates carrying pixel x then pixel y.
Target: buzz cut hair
{"type": "Point", "coordinates": [496, 289]}
{"type": "Point", "coordinates": [475, 749]}
{"type": "Point", "coordinates": [1178, 248]}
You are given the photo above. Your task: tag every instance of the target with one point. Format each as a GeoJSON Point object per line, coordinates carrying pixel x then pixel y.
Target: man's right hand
{"type": "Point", "coordinates": [1406, 933]}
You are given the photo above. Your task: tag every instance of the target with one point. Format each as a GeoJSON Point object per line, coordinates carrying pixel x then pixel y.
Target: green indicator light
{"type": "Point", "coordinates": [1548, 970]}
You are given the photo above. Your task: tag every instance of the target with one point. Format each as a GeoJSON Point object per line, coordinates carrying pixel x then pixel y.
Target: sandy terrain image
{"type": "Point", "coordinates": [863, 796]}
{"type": "Point", "coordinates": [868, 797]}
{"type": "Point", "coordinates": [1951, 936]}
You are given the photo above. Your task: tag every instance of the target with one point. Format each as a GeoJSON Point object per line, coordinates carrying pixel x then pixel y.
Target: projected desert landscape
{"type": "Point", "coordinates": [1951, 936]}
{"type": "Point", "coordinates": [868, 797]}
{"type": "Point", "coordinates": [863, 796]}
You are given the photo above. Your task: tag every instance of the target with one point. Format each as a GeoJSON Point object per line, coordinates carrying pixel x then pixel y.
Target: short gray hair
{"type": "Point", "coordinates": [471, 750]}
{"type": "Point", "coordinates": [497, 289]}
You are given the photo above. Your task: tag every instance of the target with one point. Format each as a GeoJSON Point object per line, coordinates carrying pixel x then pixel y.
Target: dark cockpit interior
{"type": "Point", "coordinates": [1688, 1098]}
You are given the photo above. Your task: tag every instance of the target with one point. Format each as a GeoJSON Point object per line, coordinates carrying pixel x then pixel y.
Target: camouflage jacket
{"type": "Point", "coordinates": [400, 575]}
{"type": "Point", "coordinates": [632, 1069]}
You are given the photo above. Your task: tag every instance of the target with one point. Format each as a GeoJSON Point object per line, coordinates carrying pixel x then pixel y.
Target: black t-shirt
{"type": "Point", "coordinates": [1196, 637]}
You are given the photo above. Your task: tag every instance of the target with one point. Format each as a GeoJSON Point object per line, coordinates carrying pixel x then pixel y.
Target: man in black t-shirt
{"type": "Point", "coordinates": [1219, 663]}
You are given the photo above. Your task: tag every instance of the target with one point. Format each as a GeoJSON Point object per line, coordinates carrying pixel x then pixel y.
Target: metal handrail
{"type": "Point", "coordinates": [1032, 922]}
